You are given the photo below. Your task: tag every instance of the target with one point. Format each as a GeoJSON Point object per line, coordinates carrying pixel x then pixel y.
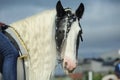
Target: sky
{"type": "Point", "coordinates": [100, 21]}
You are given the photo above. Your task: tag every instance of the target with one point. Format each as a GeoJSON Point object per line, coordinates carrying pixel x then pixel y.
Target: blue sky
{"type": "Point", "coordinates": [100, 22]}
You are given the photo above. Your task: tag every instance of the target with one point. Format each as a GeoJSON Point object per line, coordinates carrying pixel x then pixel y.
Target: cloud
{"type": "Point", "coordinates": [101, 29]}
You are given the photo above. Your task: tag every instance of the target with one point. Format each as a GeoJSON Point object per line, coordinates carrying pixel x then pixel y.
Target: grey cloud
{"type": "Point", "coordinates": [101, 28]}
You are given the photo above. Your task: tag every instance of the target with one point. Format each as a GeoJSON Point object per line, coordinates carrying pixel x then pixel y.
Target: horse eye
{"type": "Point", "coordinates": [67, 31]}
{"type": "Point", "coordinates": [61, 31]}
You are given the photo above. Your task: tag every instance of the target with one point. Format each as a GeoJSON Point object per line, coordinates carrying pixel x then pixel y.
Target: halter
{"type": "Point", "coordinates": [62, 33]}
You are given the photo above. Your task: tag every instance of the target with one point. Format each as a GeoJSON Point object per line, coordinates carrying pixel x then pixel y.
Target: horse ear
{"type": "Point", "coordinates": [60, 9]}
{"type": "Point", "coordinates": [80, 10]}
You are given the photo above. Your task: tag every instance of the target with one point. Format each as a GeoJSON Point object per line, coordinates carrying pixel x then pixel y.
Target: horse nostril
{"type": "Point", "coordinates": [66, 63]}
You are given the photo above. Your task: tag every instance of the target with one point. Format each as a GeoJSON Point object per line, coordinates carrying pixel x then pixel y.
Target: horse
{"type": "Point", "coordinates": [48, 35]}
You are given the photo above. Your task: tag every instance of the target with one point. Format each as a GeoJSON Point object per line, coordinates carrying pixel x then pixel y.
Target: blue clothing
{"type": "Point", "coordinates": [10, 55]}
{"type": "Point", "coordinates": [117, 70]}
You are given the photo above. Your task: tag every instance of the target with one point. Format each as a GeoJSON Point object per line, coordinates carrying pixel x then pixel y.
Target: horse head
{"type": "Point", "coordinates": [68, 33]}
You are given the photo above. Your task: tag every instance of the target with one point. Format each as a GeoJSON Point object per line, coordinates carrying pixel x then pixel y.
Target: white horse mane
{"type": "Point", "coordinates": [38, 33]}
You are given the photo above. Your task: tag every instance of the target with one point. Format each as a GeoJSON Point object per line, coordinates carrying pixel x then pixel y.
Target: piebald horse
{"type": "Point", "coordinates": [46, 35]}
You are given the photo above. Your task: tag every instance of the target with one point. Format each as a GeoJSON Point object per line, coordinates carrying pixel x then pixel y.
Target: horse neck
{"type": "Point", "coordinates": [38, 32]}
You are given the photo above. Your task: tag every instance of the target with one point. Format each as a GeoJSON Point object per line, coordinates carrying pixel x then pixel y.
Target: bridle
{"type": "Point", "coordinates": [62, 33]}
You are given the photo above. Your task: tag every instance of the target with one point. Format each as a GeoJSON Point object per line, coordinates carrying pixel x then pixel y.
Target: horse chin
{"type": "Point", "coordinates": [68, 71]}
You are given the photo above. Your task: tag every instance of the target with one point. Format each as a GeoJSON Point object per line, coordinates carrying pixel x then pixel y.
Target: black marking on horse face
{"type": "Point", "coordinates": [63, 26]}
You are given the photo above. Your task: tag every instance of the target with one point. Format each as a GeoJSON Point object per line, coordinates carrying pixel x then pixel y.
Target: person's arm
{"type": "Point", "coordinates": [3, 26]}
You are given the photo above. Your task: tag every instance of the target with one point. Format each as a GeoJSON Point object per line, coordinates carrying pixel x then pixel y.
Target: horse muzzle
{"type": "Point", "coordinates": [69, 65]}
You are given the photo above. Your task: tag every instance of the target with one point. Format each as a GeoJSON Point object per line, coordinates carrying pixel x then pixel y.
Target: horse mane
{"type": "Point", "coordinates": [38, 33]}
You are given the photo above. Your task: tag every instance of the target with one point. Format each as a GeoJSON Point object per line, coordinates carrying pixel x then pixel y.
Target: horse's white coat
{"type": "Point", "coordinates": [70, 44]}
{"type": "Point", "coordinates": [38, 33]}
